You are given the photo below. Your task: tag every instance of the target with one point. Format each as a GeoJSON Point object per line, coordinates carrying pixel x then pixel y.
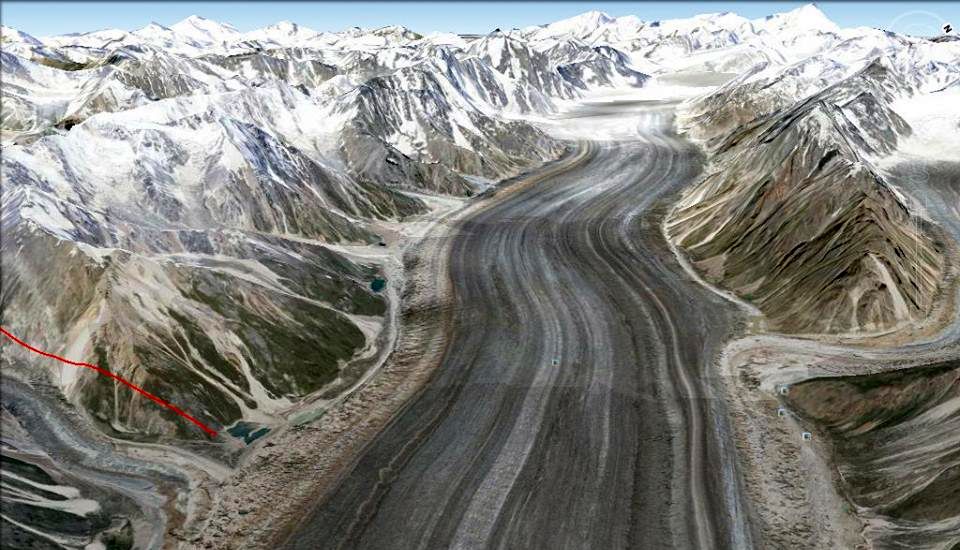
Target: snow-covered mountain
{"type": "Point", "coordinates": [921, 65]}
{"type": "Point", "coordinates": [706, 41]}
{"type": "Point", "coordinates": [829, 201]}
{"type": "Point", "coordinates": [204, 31]}
{"type": "Point", "coordinates": [283, 34]}
{"type": "Point", "coordinates": [557, 68]}
{"type": "Point", "coordinates": [203, 173]}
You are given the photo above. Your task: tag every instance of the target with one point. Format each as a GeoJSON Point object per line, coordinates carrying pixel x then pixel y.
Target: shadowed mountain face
{"type": "Point", "coordinates": [236, 323]}
{"type": "Point", "coordinates": [442, 112]}
{"type": "Point", "coordinates": [896, 439]}
{"type": "Point", "coordinates": [792, 216]}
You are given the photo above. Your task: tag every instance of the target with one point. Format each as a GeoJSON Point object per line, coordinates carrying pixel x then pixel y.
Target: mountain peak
{"type": "Point", "coordinates": [578, 25]}
{"type": "Point", "coordinates": [9, 34]}
{"type": "Point", "coordinates": [193, 21]}
{"type": "Point", "coordinates": [808, 11]}
{"type": "Point", "coordinates": [807, 16]}
{"type": "Point", "coordinates": [156, 32]}
{"type": "Point", "coordinates": [203, 30]}
{"type": "Point", "coordinates": [283, 32]}
{"type": "Point", "coordinates": [595, 15]}
{"type": "Point", "coordinates": [591, 18]}
{"type": "Point", "coordinates": [202, 23]}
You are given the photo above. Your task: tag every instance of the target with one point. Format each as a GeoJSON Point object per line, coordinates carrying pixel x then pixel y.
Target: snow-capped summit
{"type": "Point", "coordinates": [205, 31]}
{"type": "Point", "coordinates": [706, 23]}
{"type": "Point", "coordinates": [398, 33]}
{"type": "Point", "coordinates": [356, 38]}
{"type": "Point", "coordinates": [806, 18]}
{"type": "Point", "coordinates": [24, 45]}
{"type": "Point", "coordinates": [288, 27]}
{"type": "Point", "coordinates": [728, 21]}
{"type": "Point", "coordinates": [444, 39]}
{"type": "Point", "coordinates": [9, 35]}
{"type": "Point", "coordinates": [161, 36]}
{"type": "Point", "coordinates": [153, 29]}
{"type": "Point", "coordinates": [579, 25]}
{"type": "Point", "coordinates": [87, 39]}
{"type": "Point", "coordinates": [284, 33]}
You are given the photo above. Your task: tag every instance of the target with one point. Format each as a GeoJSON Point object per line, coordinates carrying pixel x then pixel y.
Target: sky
{"type": "Point", "coordinates": [50, 18]}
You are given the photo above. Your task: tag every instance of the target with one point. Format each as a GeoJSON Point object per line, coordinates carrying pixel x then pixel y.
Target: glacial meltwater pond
{"type": "Point", "coordinates": [247, 431]}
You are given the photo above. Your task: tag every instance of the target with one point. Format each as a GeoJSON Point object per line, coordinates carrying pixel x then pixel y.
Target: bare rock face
{"type": "Point", "coordinates": [792, 217]}
{"type": "Point", "coordinates": [429, 125]}
{"type": "Point", "coordinates": [896, 439]}
{"type": "Point", "coordinates": [237, 323]}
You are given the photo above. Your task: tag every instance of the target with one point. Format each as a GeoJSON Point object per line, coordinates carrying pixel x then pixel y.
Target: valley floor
{"type": "Point", "coordinates": [577, 379]}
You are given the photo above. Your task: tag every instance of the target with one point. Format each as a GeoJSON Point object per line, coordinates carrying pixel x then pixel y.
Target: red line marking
{"type": "Point", "coordinates": [105, 372]}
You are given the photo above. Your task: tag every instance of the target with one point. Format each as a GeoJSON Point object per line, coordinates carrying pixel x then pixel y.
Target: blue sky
{"type": "Point", "coordinates": [46, 18]}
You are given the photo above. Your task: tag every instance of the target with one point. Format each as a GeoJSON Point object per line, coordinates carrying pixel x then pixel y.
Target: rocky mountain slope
{"type": "Point", "coordinates": [190, 178]}
{"type": "Point", "coordinates": [828, 202]}
{"type": "Point", "coordinates": [792, 214]}
{"type": "Point", "coordinates": [896, 445]}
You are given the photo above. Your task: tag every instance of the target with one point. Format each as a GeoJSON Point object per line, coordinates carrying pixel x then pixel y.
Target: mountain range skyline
{"type": "Point", "coordinates": [922, 18]}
